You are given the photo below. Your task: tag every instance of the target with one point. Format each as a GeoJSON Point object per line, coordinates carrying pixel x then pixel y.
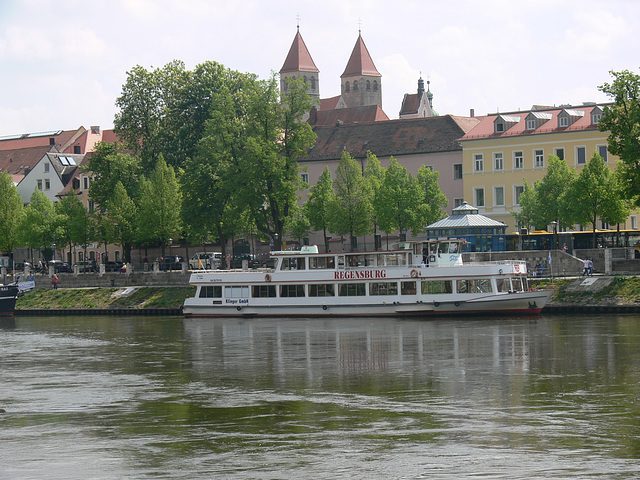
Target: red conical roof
{"type": "Point", "coordinates": [360, 63]}
{"type": "Point", "coordinates": [298, 59]}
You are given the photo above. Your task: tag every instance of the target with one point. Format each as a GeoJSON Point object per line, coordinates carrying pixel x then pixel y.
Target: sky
{"type": "Point", "coordinates": [63, 62]}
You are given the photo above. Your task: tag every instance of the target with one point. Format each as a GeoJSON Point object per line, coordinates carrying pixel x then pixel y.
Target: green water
{"type": "Point", "coordinates": [148, 397]}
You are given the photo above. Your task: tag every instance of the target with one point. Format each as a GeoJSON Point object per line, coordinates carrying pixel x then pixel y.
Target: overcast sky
{"type": "Point", "coordinates": [63, 62]}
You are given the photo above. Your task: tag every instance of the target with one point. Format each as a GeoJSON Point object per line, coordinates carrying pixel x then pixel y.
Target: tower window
{"type": "Point", "coordinates": [355, 85]}
{"type": "Point", "coordinates": [313, 83]}
{"type": "Point", "coordinates": [375, 86]}
{"type": "Point", "coordinates": [368, 85]}
{"type": "Point", "coordinates": [347, 87]}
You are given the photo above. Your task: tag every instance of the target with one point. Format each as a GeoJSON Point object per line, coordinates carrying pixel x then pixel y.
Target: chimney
{"type": "Point", "coordinates": [472, 112]}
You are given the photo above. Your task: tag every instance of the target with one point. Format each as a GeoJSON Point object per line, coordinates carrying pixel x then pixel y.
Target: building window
{"type": "Point", "coordinates": [368, 85]}
{"type": "Point", "coordinates": [517, 191]}
{"type": "Point", "coordinates": [86, 183]}
{"type": "Point", "coordinates": [77, 149]}
{"type": "Point", "coordinates": [375, 86]}
{"type": "Point", "coordinates": [47, 184]}
{"type": "Point", "coordinates": [498, 163]}
{"type": "Point", "coordinates": [563, 121]}
{"type": "Point", "coordinates": [603, 152]}
{"type": "Point", "coordinates": [479, 196]}
{"type": "Point", "coordinates": [92, 206]}
{"type": "Point", "coordinates": [305, 177]}
{"type": "Point", "coordinates": [531, 124]}
{"type": "Point", "coordinates": [559, 152]}
{"type": "Point", "coordinates": [633, 220]}
{"type": "Point", "coordinates": [457, 202]}
{"type": "Point", "coordinates": [581, 155]}
{"type": "Point", "coordinates": [538, 158]}
{"type": "Point", "coordinates": [499, 127]}
{"type": "Point", "coordinates": [498, 196]}
{"type": "Point", "coordinates": [355, 85]}
{"type": "Point", "coordinates": [457, 171]}
{"type": "Point", "coordinates": [347, 87]}
{"type": "Point", "coordinates": [595, 118]}
{"type": "Point", "coordinates": [518, 160]}
{"type": "Point", "coordinates": [46, 167]}
{"type": "Point", "coordinates": [40, 185]}
{"type": "Point", "coordinates": [478, 162]}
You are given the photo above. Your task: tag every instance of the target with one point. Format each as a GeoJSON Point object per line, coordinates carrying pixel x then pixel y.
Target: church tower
{"type": "Point", "coordinates": [361, 83]}
{"type": "Point", "coordinates": [300, 64]}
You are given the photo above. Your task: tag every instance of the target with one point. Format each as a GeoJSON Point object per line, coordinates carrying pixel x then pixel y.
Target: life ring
{"type": "Point", "coordinates": [267, 278]}
{"type": "Point", "coordinates": [436, 304]}
{"type": "Point", "coordinates": [432, 258]}
{"type": "Point", "coordinates": [457, 304]}
{"type": "Point", "coordinates": [414, 273]}
{"type": "Point", "coordinates": [324, 307]}
{"type": "Point", "coordinates": [238, 308]}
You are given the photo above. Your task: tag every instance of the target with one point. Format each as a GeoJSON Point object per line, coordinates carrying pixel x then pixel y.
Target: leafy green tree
{"type": "Point", "coordinates": [141, 120]}
{"type": "Point", "coordinates": [400, 198]}
{"type": "Point", "coordinates": [121, 217]}
{"type": "Point", "coordinates": [73, 223]}
{"type": "Point", "coordinates": [432, 201]}
{"type": "Point", "coordinates": [551, 193]}
{"type": "Point", "coordinates": [351, 211]}
{"type": "Point", "coordinates": [622, 121]}
{"type": "Point", "coordinates": [11, 211]}
{"type": "Point", "coordinates": [318, 205]}
{"type": "Point", "coordinates": [38, 225]}
{"type": "Point", "coordinates": [108, 166]}
{"type": "Point", "coordinates": [160, 205]}
{"type": "Point", "coordinates": [529, 207]}
{"type": "Point", "coordinates": [594, 194]}
{"type": "Point", "coordinates": [297, 224]}
{"type": "Point", "coordinates": [374, 175]}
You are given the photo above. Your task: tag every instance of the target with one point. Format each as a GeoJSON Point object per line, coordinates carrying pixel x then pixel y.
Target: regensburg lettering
{"type": "Point", "coordinates": [360, 274]}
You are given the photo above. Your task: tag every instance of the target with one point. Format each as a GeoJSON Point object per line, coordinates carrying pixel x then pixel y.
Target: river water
{"type": "Point", "coordinates": [168, 398]}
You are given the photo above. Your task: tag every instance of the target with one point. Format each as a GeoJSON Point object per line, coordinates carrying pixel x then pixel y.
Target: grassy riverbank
{"type": "Point", "coordinates": [105, 298]}
{"type": "Point", "coordinates": [614, 290]}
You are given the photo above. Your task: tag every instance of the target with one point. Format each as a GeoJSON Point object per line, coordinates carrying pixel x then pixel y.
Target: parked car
{"type": "Point", "coordinates": [253, 262]}
{"type": "Point", "coordinates": [112, 266]}
{"type": "Point", "coordinates": [60, 267]}
{"type": "Point", "coordinates": [205, 260]}
{"type": "Point", "coordinates": [19, 267]}
{"type": "Point", "coordinates": [86, 266]}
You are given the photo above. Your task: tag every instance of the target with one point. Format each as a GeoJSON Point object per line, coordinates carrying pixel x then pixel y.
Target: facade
{"type": "Point", "coordinates": [50, 175]}
{"type": "Point", "coordinates": [417, 105]}
{"type": "Point", "coordinates": [505, 149]}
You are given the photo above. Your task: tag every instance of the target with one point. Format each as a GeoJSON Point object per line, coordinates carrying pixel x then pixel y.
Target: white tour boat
{"type": "Point", "coordinates": [425, 278]}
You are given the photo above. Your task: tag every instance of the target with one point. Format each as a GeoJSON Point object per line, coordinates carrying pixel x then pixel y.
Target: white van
{"type": "Point", "coordinates": [205, 260]}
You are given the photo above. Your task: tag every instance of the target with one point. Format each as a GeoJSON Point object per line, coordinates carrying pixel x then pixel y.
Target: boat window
{"type": "Point", "coordinates": [443, 247]}
{"type": "Point", "coordinates": [356, 260]}
{"type": "Point", "coordinates": [517, 285]}
{"type": "Point", "coordinates": [431, 287]}
{"type": "Point", "coordinates": [236, 292]}
{"type": "Point", "coordinates": [408, 288]}
{"type": "Point", "coordinates": [503, 284]}
{"type": "Point", "coordinates": [340, 261]}
{"type": "Point", "coordinates": [383, 288]}
{"type": "Point", "coordinates": [292, 290]}
{"type": "Point", "coordinates": [322, 262]}
{"type": "Point", "coordinates": [322, 290]}
{"type": "Point", "coordinates": [351, 290]}
{"type": "Point", "coordinates": [263, 291]}
{"type": "Point", "coordinates": [479, 285]}
{"type": "Point", "coordinates": [292, 263]}
{"type": "Point", "coordinates": [210, 291]}
{"type": "Point", "coordinates": [391, 259]}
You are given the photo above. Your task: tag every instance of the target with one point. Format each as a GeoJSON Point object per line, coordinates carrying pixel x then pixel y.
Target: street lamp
{"type": "Point", "coordinates": [554, 227]}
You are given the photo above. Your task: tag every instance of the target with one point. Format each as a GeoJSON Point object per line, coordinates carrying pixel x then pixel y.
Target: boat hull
{"type": "Point", "coordinates": [8, 297]}
{"type": "Point", "coordinates": [518, 303]}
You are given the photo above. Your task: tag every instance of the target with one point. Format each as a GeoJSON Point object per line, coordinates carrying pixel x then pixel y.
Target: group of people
{"type": "Point", "coordinates": [588, 268]}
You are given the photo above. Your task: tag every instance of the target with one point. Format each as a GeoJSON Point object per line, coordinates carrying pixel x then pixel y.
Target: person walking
{"type": "Point", "coordinates": [585, 273]}
{"type": "Point", "coordinates": [590, 268]}
{"type": "Point", "coordinates": [55, 281]}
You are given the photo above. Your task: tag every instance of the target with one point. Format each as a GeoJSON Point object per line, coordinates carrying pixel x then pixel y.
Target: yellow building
{"type": "Point", "coordinates": [505, 149]}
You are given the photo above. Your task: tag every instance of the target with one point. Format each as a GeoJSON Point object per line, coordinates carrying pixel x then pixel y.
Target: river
{"type": "Point", "coordinates": [167, 398]}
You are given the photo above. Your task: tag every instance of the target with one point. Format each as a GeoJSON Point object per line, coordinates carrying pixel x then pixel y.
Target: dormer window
{"type": "Point", "coordinates": [502, 123]}
{"type": "Point", "coordinates": [596, 115]}
{"type": "Point", "coordinates": [568, 117]}
{"type": "Point", "coordinates": [536, 119]}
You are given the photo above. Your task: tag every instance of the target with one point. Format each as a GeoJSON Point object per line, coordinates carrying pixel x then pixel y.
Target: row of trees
{"type": "Point", "coordinates": [210, 155]}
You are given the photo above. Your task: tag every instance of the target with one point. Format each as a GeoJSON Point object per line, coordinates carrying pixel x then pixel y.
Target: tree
{"type": "Point", "coordinates": [73, 224]}
{"type": "Point", "coordinates": [432, 202]}
{"type": "Point", "coordinates": [529, 207]}
{"type": "Point", "coordinates": [121, 216]}
{"type": "Point", "coordinates": [596, 193]}
{"type": "Point", "coordinates": [374, 176]}
{"type": "Point", "coordinates": [321, 197]}
{"type": "Point", "coordinates": [550, 192]}
{"type": "Point", "coordinates": [11, 211]}
{"type": "Point", "coordinates": [38, 224]}
{"type": "Point", "coordinates": [400, 197]}
{"type": "Point", "coordinates": [160, 205]}
{"type": "Point", "coordinates": [351, 210]}
{"type": "Point", "coordinates": [622, 121]}
{"type": "Point", "coordinates": [297, 224]}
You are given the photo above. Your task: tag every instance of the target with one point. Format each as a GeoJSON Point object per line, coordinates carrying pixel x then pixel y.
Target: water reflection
{"type": "Point", "coordinates": [99, 397]}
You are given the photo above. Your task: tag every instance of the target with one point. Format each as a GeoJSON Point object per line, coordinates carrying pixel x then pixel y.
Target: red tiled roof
{"type": "Point", "coordinates": [360, 63]}
{"type": "Point", "coordinates": [486, 129]}
{"type": "Point", "coordinates": [19, 161]}
{"type": "Point", "coordinates": [329, 103]}
{"type": "Point", "coordinates": [393, 137]}
{"type": "Point", "coordinates": [60, 138]}
{"type": "Point", "coordinates": [410, 104]}
{"type": "Point", "coordinates": [298, 59]}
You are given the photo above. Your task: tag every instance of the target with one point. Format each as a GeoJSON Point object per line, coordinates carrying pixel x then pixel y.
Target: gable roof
{"type": "Point", "coordinates": [61, 139]}
{"type": "Point", "coordinates": [298, 59]}
{"type": "Point", "coordinates": [360, 62]}
{"type": "Point", "coordinates": [20, 161]}
{"type": "Point", "coordinates": [392, 137]}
